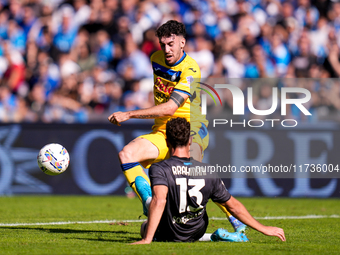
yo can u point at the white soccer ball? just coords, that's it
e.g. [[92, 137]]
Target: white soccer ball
[[53, 159]]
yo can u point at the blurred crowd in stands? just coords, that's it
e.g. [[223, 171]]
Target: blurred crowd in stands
[[78, 61]]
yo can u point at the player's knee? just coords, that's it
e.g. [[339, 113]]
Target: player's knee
[[196, 151], [125, 156]]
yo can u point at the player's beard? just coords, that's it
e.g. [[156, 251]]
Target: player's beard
[[172, 58]]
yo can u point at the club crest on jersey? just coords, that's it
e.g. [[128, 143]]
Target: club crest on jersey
[[173, 77], [164, 88]]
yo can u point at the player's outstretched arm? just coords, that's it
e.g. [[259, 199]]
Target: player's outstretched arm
[[156, 209], [238, 210], [157, 111]]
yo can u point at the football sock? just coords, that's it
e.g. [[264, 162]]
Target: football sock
[[131, 171], [223, 209], [233, 221], [205, 238]]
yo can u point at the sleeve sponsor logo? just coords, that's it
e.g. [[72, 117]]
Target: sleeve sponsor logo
[[190, 79]]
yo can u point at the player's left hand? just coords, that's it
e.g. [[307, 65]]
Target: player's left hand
[[118, 117], [274, 231], [143, 241]]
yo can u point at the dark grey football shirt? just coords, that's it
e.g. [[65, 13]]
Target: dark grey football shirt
[[185, 218]]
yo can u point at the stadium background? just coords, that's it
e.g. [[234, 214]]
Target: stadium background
[[66, 65]]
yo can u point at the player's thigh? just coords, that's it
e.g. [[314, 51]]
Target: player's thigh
[[158, 139], [138, 150]]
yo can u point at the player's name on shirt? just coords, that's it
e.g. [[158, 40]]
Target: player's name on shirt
[[189, 170]]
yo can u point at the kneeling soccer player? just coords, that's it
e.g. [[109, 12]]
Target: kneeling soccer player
[[177, 210]]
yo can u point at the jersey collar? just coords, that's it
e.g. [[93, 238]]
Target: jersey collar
[[184, 158]]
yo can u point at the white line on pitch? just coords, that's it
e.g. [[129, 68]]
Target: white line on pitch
[[132, 221], [65, 223], [289, 217]]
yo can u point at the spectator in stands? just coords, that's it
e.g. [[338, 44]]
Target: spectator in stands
[[115, 92], [304, 59], [48, 73], [16, 10], [134, 59], [234, 64], [202, 53], [23, 112], [82, 12], [16, 36], [150, 43], [306, 14], [66, 32], [106, 49], [14, 76], [260, 65], [29, 18], [86, 60], [3, 24], [37, 100], [7, 104], [280, 54]]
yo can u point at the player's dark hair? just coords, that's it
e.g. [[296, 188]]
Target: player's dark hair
[[171, 27], [178, 132]]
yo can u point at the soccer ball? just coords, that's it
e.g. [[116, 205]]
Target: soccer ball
[[53, 159]]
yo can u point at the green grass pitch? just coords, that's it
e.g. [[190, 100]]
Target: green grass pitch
[[304, 236]]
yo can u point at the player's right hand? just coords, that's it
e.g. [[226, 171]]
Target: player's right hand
[[119, 117], [113, 120]]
